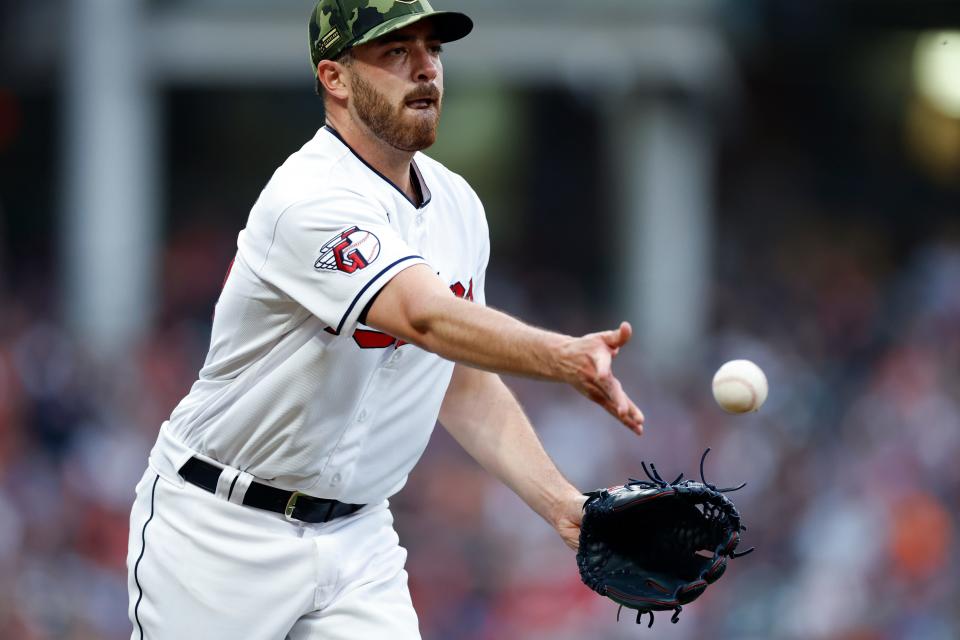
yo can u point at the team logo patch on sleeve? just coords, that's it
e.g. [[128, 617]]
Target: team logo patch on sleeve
[[349, 251]]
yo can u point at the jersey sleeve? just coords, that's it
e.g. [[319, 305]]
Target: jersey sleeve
[[483, 257], [333, 254]]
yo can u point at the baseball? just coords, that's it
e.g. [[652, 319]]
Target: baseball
[[740, 386]]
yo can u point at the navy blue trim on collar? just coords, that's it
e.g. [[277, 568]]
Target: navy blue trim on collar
[[419, 184], [359, 295]]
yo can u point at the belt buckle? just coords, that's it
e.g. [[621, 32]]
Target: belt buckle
[[291, 505]]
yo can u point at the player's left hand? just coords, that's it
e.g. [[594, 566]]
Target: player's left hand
[[567, 522]]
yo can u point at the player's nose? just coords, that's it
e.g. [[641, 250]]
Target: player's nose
[[426, 65]]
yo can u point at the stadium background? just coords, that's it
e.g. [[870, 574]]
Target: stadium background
[[770, 179]]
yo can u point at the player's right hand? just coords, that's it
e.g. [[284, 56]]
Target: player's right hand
[[588, 361]]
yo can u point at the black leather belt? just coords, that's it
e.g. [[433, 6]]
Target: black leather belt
[[292, 504]]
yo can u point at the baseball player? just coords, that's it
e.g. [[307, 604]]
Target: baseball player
[[352, 319]]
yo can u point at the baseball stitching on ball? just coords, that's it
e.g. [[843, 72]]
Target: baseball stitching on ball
[[747, 384]]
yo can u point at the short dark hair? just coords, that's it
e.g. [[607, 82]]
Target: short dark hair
[[345, 58]]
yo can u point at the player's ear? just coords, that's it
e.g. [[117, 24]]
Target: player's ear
[[331, 76]]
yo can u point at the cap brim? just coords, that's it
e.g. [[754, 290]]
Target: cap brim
[[450, 26]]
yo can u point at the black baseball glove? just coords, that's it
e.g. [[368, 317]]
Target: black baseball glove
[[653, 545]]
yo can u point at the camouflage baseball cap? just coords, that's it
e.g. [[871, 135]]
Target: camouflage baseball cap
[[337, 25]]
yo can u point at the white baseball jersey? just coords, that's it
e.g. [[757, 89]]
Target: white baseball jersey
[[294, 390]]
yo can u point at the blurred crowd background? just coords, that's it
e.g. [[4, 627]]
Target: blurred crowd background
[[804, 163]]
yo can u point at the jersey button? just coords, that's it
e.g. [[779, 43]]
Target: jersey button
[[335, 480], [362, 415]]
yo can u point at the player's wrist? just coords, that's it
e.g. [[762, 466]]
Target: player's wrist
[[565, 508], [561, 359]]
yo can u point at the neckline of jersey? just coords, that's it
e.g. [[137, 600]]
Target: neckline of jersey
[[419, 183]]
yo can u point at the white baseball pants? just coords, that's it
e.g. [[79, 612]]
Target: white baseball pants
[[202, 567]]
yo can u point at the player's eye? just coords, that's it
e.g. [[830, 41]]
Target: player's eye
[[436, 49], [397, 51]]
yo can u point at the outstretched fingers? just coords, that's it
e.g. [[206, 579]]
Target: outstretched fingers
[[620, 404], [594, 374], [626, 411], [608, 393], [618, 337]]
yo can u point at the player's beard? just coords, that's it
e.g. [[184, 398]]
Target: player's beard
[[394, 125]]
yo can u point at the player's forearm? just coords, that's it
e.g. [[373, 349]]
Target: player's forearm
[[418, 308], [491, 340], [488, 422]]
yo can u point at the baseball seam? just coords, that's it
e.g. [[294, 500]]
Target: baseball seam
[[746, 383]]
